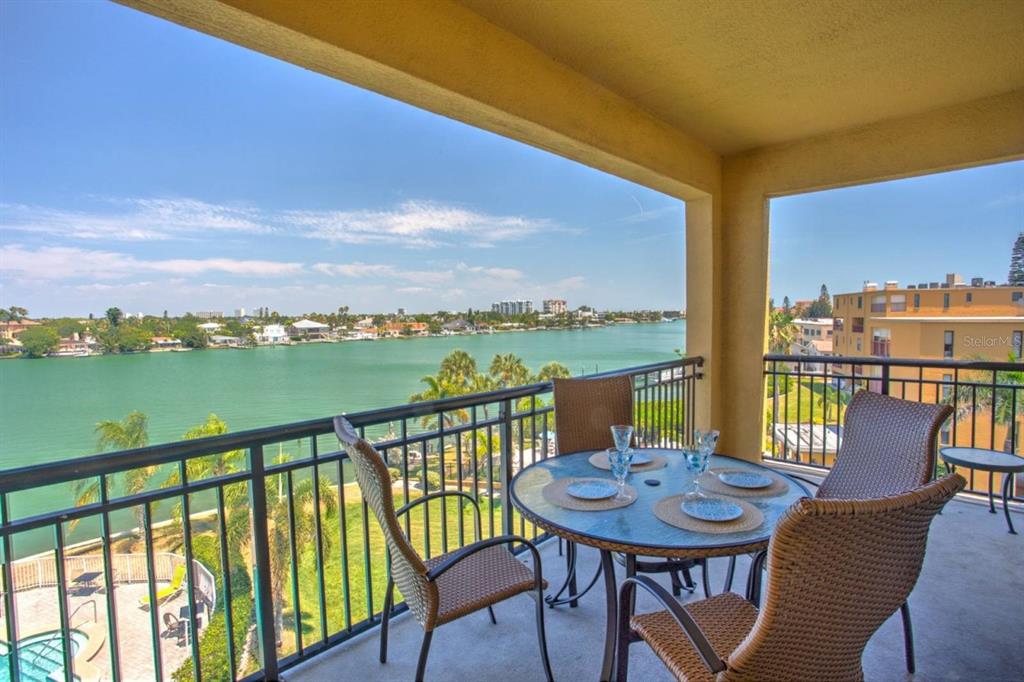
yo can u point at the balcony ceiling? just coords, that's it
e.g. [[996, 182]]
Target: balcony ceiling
[[741, 75]]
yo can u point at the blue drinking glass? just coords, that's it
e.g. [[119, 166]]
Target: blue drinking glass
[[618, 462]]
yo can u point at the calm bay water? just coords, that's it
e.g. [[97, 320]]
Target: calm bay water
[[50, 406]]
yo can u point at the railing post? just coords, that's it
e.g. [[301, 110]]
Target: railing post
[[885, 379], [261, 559], [505, 415]]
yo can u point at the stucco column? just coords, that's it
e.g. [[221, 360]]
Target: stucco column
[[702, 286], [742, 309]]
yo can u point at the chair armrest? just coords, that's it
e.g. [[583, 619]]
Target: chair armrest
[[689, 626], [404, 509], [469, 550]]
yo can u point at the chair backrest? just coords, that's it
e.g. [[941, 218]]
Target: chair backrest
[[837, 569], [888, 447], [586, 409], [407, 568]]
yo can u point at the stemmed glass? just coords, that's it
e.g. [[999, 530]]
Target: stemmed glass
[[620, 457], [698, 457]]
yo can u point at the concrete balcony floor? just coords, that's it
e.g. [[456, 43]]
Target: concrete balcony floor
[[967, 611]]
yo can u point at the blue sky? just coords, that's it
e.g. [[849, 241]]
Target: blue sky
[[150, 167]]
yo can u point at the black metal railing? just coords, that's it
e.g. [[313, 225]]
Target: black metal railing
[[806, 399], [274, 516]]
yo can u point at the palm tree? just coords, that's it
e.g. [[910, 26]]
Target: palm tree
[[459, 368], [553, 370], [999, 401], [437, 388], [211, 466], [129, 433], [834, 398], [302, 534], [781, 332], [509, 370]]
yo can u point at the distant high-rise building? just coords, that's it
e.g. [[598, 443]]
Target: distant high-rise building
[[555, 306], [239, 312], [209, 314], [518, 307]]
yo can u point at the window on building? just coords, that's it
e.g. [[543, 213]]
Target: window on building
[[1017, 296], [945, 435], [945, 300], [917, 300], [1018, 344], [860, 302], [947, 386], [947, 343], [878, 303], [970, 296], [858, 325], [880, 342], [898, 303], [837, 324], [858, 344]]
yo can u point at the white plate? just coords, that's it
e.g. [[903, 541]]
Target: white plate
[[712, 509], [591, 490], [744, 479]]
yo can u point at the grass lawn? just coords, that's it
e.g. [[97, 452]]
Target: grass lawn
[[349, 605]]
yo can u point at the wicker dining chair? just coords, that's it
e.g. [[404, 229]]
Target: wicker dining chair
[[837, 570], [888, 447], [585, 411], [449, 586]]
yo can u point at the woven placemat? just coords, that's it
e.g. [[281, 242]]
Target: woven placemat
[[600, 460], [709, 482], [556, 494], [667, 509]]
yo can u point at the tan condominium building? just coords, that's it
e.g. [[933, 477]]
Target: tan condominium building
[[935, 321]]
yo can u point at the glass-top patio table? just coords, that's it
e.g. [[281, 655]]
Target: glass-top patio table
[[635, 530]]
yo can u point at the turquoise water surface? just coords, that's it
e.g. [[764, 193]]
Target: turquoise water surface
[[40, 657], [50, 406]]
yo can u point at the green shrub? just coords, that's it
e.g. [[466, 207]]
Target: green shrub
[[213, 657]]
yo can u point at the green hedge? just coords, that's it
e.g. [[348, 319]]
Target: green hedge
[[213, 657]]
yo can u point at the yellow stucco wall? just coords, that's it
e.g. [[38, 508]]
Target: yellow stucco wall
[[976, 133]]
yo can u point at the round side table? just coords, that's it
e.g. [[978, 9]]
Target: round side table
[[992, 461]]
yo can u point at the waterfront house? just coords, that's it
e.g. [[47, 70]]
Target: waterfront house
[[721, 105], [9, 330], [165, 343], [222, 341], [271, 334], [309, 330], [209, 327]]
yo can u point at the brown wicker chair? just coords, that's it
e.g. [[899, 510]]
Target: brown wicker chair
[[449, 586], [585, 411], [837, 570], [888, 448]]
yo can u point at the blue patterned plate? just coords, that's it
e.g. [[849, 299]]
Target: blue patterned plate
[[744, 479], [712, 509], [591, 490]]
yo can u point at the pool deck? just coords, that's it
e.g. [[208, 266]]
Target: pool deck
[[38, 613]]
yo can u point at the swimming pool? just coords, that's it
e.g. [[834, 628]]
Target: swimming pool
[[40, 657]]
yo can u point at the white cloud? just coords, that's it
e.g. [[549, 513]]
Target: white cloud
[[374, 270], [67, 263], [135, 220], [415, 224]]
